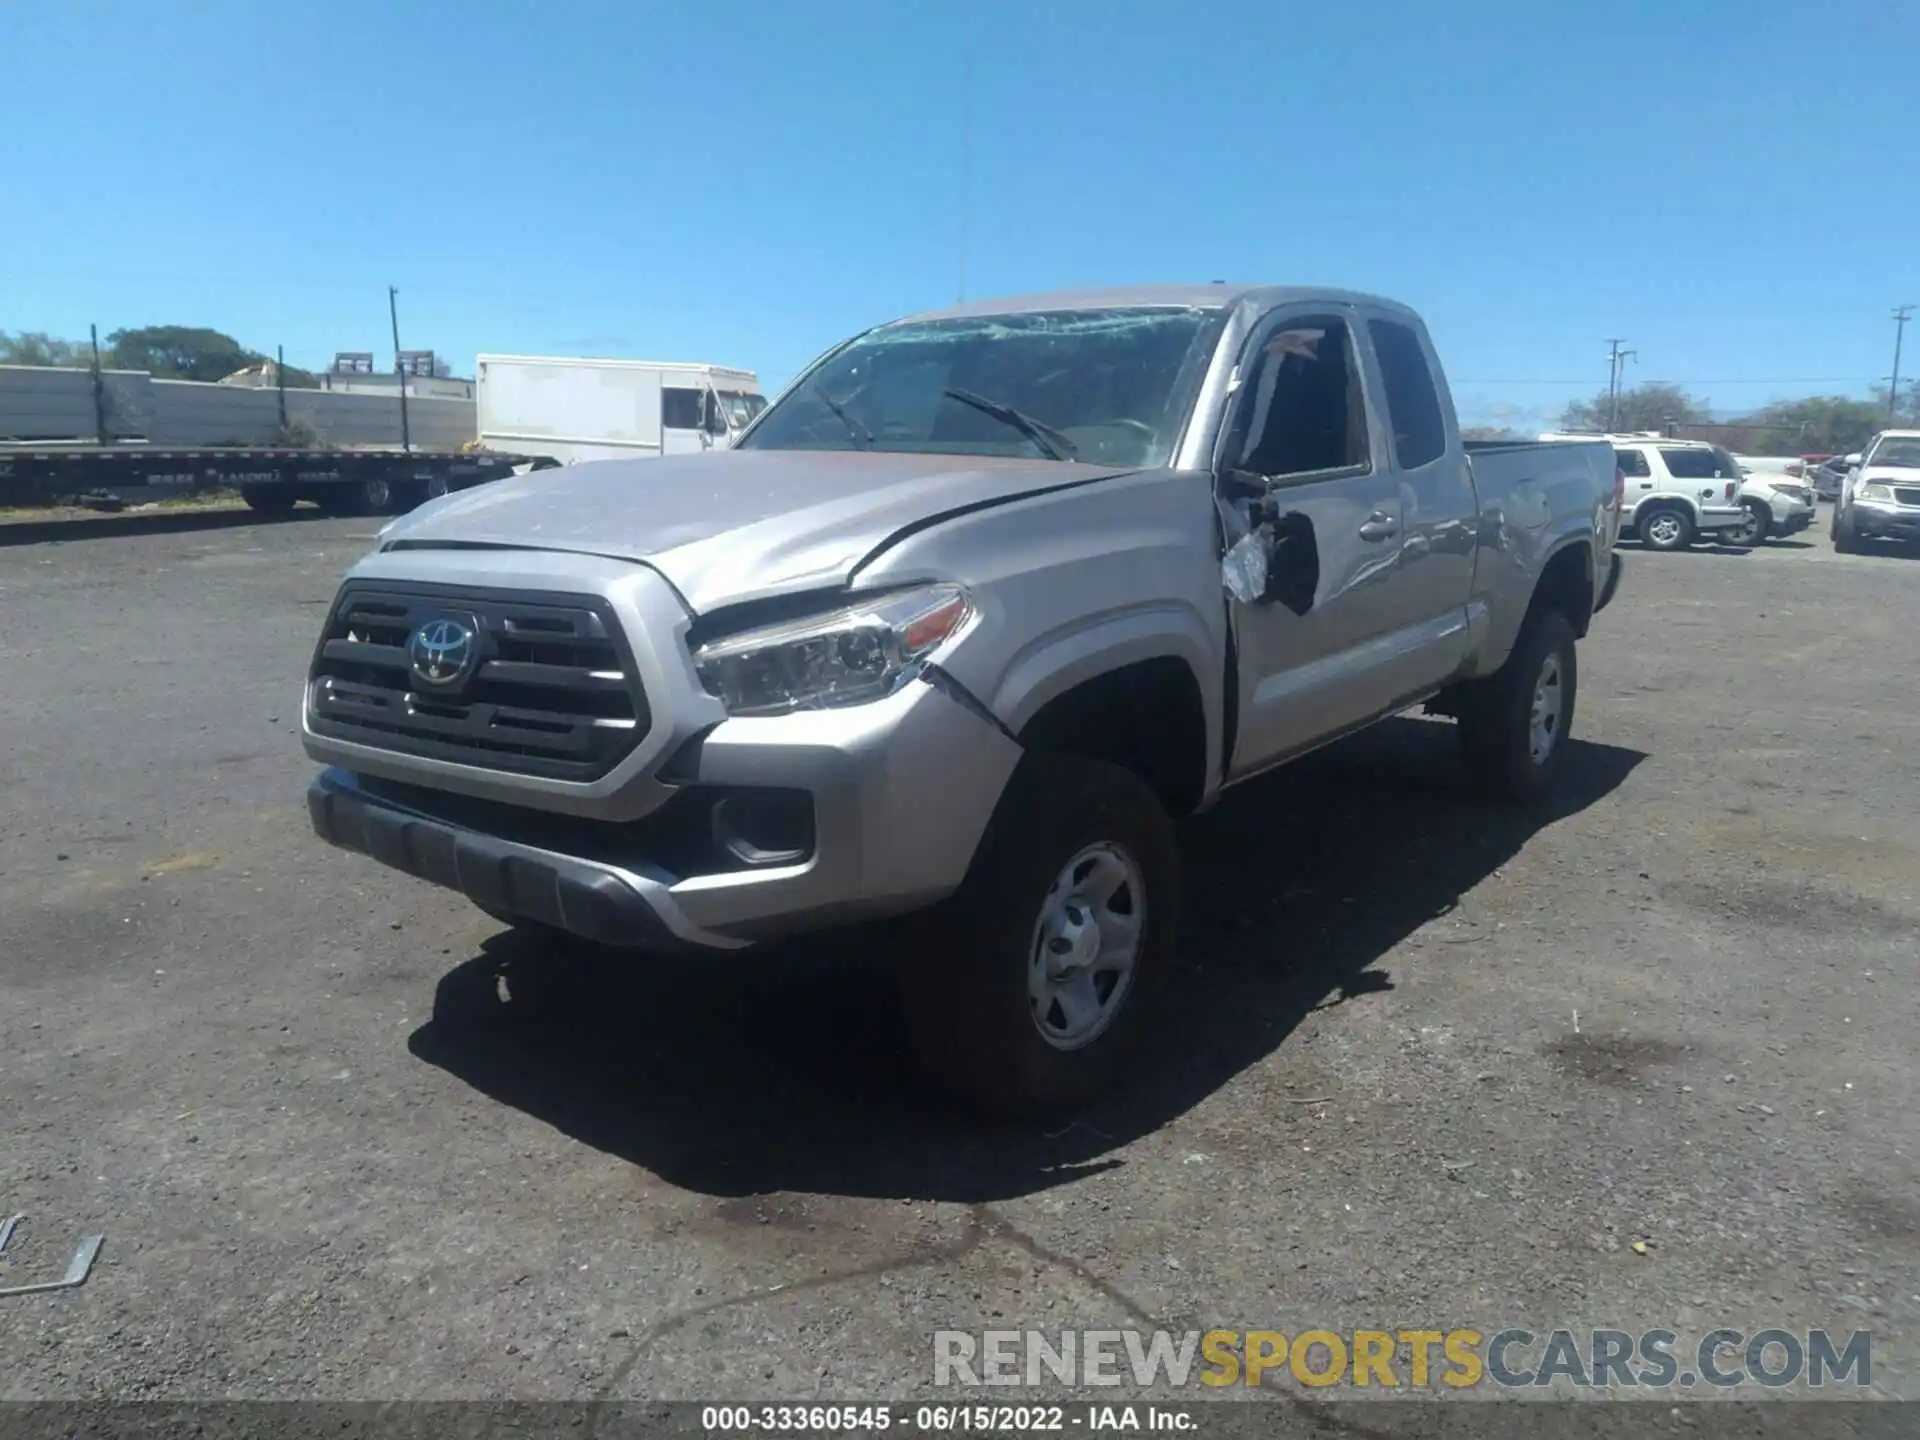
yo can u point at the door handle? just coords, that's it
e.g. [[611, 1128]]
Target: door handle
[[1379, 526]]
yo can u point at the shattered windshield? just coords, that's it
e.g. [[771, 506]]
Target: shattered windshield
[[1110, 387]]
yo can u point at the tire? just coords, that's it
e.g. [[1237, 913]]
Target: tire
[[1497, 715], [361, 497], [1665, 527], [269, 500], [414, 494], [977, 997], [1846, 541], [1759, 525]]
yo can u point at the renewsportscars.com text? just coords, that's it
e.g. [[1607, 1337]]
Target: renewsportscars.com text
[[1771, 1357]]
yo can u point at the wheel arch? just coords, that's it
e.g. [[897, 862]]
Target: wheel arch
[[1147, 715], [1652, 504]]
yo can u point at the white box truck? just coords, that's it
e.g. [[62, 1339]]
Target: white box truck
[[576, 409]]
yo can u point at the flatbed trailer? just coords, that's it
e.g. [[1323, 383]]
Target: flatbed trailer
[[272, 481]]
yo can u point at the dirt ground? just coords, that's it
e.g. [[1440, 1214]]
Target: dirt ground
[[1645, 1061]]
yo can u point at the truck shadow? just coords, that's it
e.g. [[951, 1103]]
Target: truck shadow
[[789, 1071]]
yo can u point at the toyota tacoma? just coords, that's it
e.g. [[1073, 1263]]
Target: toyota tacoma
[[958, 627]]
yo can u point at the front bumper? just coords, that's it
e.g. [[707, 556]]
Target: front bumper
[[1876, 519], [605, 903], [1790, 516], [899, 793]]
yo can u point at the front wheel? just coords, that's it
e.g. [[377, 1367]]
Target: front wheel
[[1514, 724], [1039, 976], [1753, 530], [1846, 540]]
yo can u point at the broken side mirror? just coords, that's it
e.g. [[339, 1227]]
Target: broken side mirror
[[1271, 556]]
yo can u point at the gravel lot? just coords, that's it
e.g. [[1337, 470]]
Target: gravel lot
[[1431, 1065]]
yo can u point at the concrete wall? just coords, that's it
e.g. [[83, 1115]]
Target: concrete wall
[[47, 404]]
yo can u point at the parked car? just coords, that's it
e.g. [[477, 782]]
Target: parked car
[[1677, 491], [959, 625], [1881, 497], [1777, 500]]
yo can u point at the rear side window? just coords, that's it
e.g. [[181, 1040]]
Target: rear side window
[[1633, 464], [1413, 405], [1699, 465], [680, 409]]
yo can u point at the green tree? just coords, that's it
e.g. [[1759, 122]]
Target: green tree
[[1821, 424], [180, 352], [1643, 407], [36, 347]]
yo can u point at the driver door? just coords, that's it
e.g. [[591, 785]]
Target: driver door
[[1302, 434]]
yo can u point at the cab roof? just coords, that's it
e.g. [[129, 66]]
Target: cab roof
[[1217, 296]]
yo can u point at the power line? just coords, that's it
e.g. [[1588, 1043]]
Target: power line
[[1737, 380]]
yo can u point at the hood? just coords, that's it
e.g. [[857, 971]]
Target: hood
[[1890, 475], [731, 525]]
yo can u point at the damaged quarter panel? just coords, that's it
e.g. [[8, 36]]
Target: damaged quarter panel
[[1073, 584]]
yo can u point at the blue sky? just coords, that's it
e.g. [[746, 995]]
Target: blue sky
[[1728, 185]]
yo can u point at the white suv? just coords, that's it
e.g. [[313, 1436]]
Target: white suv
[[1676, 490]]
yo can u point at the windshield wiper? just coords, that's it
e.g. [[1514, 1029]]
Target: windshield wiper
[[854, 427], [1050, 441]]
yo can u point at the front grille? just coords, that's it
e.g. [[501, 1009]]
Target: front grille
[[552, 690], [1907, 494]]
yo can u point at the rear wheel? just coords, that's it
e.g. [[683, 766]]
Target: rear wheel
[[361, 497], [1665, 528], [416, 494], [1040, 975], [1514, 724]]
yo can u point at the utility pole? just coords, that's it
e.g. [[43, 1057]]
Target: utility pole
[[393, 313], [966, 148], [1616, 371], [280, 383], [1900, 317]]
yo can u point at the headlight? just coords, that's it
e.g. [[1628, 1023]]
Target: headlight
[[1874, 492], [845, 657]]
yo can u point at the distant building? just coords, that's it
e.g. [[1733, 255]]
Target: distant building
[[426, 374]]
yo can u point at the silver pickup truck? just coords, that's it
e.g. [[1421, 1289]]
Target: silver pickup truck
[[956, 629]]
